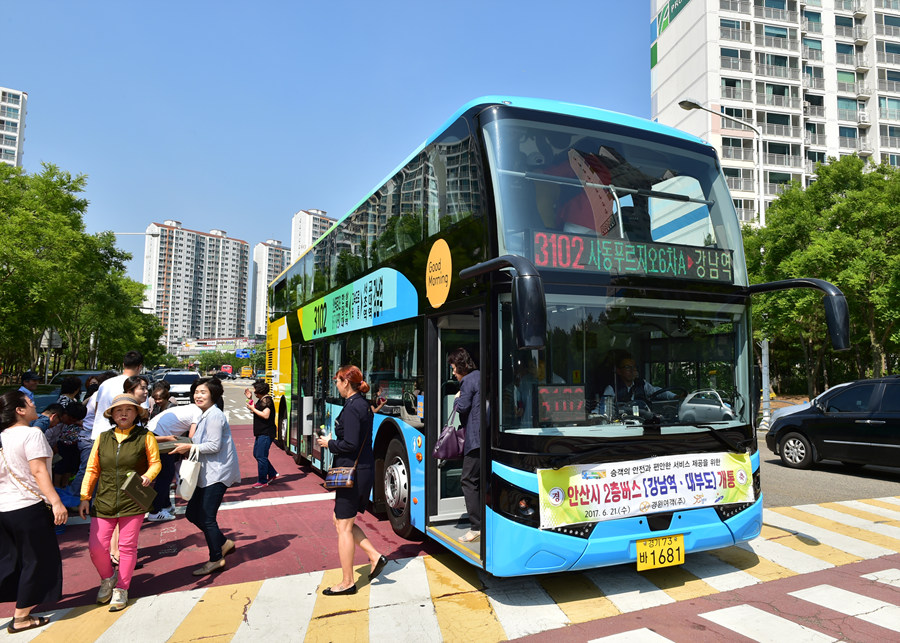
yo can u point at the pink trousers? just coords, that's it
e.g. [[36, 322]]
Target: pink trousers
[[98, 544]]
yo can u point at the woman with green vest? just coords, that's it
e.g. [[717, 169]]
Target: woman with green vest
[[126, 446]]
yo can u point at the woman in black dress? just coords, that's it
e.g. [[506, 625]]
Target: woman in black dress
[[353, 432]]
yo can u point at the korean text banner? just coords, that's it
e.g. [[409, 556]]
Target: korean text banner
[[591, 493]]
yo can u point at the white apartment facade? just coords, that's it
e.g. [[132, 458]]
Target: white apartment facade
[[269, 260], [12, 125], [196, 282], [306, 228], [816, 78]]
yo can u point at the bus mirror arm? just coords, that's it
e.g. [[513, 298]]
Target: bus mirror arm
[[528, 300], [837, 315]]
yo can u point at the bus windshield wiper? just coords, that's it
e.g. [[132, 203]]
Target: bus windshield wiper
[[735, 448]]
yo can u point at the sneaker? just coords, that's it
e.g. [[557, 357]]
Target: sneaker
[[260, 485], [119, 600], [106, 588], [274, 478], [160, 516]]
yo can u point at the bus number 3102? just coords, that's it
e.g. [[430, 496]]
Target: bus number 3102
[[321, 313]]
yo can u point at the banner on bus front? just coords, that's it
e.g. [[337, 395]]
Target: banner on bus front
[[585, 493]]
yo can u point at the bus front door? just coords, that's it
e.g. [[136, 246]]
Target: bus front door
[[447, 508]]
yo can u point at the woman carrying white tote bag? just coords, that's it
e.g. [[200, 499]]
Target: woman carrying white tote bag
[[189, 473]]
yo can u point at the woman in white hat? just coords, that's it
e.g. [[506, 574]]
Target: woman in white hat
[[126, 446]]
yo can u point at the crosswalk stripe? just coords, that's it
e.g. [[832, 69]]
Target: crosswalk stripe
[[218, 614], [578, 598], [867, 609], [808, 546], [643, 635], [30, 635], [806, 524], [882, 512], [862, 516], [84, 623], [718, 573], [887, 576], [759, 625], [752, 564], [889, 500], [522, 606], [788, 558], [628, 591], [679, 583], [152, 619], [400, 607], [464, 613], [339, 618], [268, 620], [887, 536]]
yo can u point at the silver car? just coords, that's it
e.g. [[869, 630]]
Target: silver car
[[705, 406]]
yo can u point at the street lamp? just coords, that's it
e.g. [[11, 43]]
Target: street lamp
[[689, 104]]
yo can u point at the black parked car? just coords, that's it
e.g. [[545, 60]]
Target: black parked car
[[857, 423]]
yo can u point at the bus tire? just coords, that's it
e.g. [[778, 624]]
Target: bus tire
[[396, 488], [281, 428]]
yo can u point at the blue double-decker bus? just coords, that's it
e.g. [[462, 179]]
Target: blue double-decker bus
[[592, 265]]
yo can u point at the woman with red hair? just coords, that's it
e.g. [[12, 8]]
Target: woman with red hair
[[352, 444]]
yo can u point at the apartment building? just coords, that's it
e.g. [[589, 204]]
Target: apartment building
[[12, 125], [196, 282], [795, 82], [269, 260], [306, 228]]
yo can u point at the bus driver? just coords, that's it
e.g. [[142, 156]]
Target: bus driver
[[628, 387]]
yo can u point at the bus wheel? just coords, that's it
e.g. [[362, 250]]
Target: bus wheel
[[282, 428], [396, 488]]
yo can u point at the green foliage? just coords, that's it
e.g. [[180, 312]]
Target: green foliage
[[844, 228], [55, 275]]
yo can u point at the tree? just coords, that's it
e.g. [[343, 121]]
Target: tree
[[844, 228]]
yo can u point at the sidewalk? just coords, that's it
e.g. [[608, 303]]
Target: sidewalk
[[284, 529]]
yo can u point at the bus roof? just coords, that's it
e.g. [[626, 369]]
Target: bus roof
[[537, 104]]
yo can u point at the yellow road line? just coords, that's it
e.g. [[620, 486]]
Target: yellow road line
[[859, 513], [217, 615], [807, 545], [84, 623], [340, 618], [748, 561], [679, 583], [579, 598], [881, 503], [463, 610], [838, 528]]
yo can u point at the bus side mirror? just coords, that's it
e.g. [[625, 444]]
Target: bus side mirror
[[529, 312], [837, 316]]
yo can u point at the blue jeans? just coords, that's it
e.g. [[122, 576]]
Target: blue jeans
[[264, 468], [84, 448], [201, 511]]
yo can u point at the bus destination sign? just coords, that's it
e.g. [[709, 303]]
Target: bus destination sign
[[618, 257]]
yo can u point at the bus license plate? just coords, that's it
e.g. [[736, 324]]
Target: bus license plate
[[665, 551]]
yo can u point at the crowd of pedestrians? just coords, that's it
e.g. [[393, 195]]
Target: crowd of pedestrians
[[82, 448]]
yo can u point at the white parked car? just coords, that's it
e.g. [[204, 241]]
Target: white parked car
[[705, 406]]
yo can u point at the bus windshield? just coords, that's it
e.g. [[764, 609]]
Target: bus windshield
[[615, 366], [644, 196]]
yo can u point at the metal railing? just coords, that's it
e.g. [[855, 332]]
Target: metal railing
[[847, 114], [888, 85], [776, 129], [775, 42], [737, 93], [811, 27], [889, 58], [746, 215], [740, 6], [776, 14], [887, 30], [9, 127], [777, 100], [888, 4], [776, 188], [812, 54], [860, 33], [736, 183], [741, 35], [731, 122], [813, 82], [737, 153], [843, 31], [889, 114], [784, 160], [853, 143], [778, 71], [737, 64], [846, 59], [890, 141], [814, 138]]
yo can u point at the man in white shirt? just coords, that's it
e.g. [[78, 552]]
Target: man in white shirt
[[94, 423], [175, 421]]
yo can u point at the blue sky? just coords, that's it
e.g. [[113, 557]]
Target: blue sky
[[235, 115]]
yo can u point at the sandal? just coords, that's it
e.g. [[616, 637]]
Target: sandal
[[470, 537], [36, 621]]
